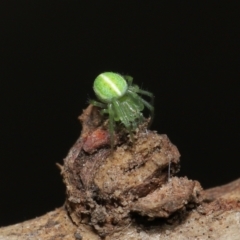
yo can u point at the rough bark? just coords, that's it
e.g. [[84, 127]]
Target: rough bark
[[217, 218], [130, 192]]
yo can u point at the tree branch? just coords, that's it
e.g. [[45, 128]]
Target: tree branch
[[127, 193]]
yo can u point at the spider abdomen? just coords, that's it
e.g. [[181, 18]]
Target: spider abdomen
[[109, 85]]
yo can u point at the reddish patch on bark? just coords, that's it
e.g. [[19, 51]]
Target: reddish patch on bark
[[95, 140]]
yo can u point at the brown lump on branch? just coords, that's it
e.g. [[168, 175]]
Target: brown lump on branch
[[105, 186]]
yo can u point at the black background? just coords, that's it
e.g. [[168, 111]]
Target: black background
[[187, 54]]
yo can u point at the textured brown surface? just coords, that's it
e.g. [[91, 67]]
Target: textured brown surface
[[218, 220], [127, 193], [171, 197], [105, 186]]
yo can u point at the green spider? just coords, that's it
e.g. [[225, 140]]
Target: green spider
[[120, 99]]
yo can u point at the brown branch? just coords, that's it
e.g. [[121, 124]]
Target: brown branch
[[127, 193]]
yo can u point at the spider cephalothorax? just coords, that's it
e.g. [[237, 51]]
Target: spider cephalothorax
[[120, 99]]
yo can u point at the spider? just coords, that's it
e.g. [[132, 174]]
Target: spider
[[120, 99]]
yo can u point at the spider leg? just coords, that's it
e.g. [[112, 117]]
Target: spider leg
[[111, 123], [98, 104], [146, 104], [150, 107], [129, 79], [122, 115], [146, 93], [134, 90]]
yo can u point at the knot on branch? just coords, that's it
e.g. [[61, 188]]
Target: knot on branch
[[109, 188]]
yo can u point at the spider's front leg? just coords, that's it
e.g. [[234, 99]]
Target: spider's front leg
[[123, 115], [149, 94], [135, 89], [100, 105], [149, 106], [97, 104], [111, 122], [106, 109], [129, 79]]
